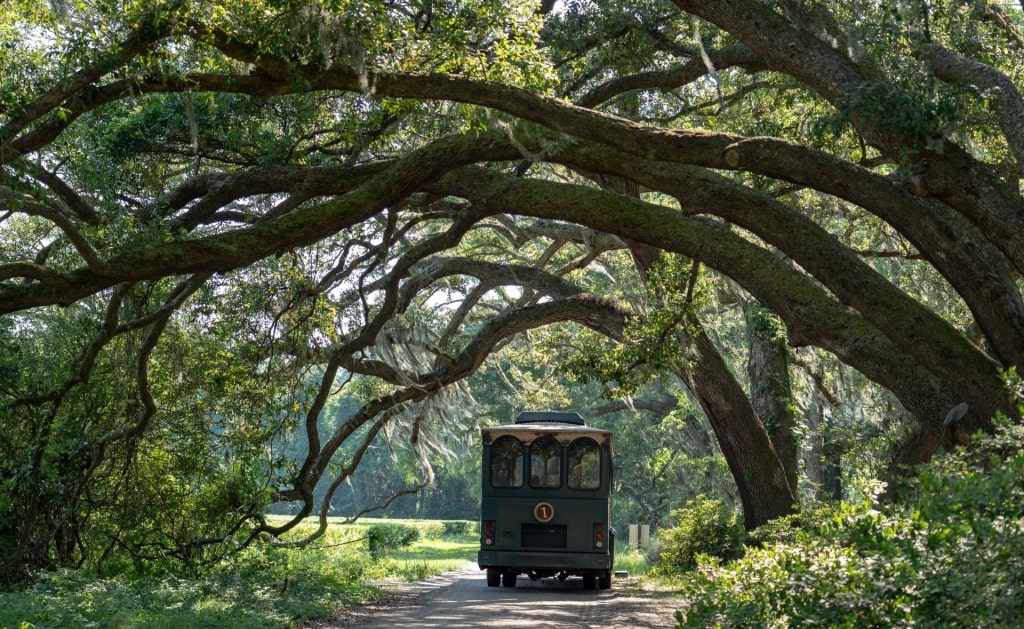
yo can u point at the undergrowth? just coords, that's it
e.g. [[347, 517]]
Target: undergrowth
[[263, 587], [946, 556]]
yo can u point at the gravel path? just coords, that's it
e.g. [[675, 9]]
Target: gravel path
[[462, 599]]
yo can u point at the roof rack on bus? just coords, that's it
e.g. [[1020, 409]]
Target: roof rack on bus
[[550, 417]]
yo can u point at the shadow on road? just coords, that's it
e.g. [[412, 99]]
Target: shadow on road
[[462, 599]]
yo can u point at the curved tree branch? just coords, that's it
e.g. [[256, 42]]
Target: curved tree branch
[[736, 55], [783, 289], [1003, 96]]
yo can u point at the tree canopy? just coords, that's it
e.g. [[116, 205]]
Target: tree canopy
[[217, 216]]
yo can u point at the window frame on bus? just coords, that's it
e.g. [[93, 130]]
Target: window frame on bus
[[515, 473], [547, 473], [597, 477]]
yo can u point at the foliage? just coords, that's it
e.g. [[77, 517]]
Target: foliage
[[254, 254], [706, 527], [779, 530], [662, 467], [383, 538], [874, 565], [654, 340], [262, 587], [455, 528], [633, 561]]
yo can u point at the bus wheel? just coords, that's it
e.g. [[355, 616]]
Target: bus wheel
[[589, 582], [509, 579], [604, 582], [493, 578]]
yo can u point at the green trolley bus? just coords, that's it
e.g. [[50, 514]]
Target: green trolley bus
[[545, 503]]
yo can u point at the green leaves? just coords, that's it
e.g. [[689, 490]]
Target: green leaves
[[384, 538], [655, 341], [705, 527], [872, 565]]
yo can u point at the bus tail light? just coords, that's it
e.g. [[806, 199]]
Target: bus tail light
[[599, 535], [488, 532]]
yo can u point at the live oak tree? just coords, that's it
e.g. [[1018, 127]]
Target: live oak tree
[[217, 215]]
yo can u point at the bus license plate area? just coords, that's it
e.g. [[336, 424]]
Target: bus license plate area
[[544, 535]]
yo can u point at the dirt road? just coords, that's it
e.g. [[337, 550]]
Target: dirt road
[[462, 599]]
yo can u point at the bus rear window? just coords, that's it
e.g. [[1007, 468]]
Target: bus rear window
[[584, 464], [546, 463], [507, 462]]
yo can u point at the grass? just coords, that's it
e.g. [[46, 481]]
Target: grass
[[632, 561], [430, 557], [261, 588]]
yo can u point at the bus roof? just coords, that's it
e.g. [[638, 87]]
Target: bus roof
[[555, 417], [564, 433]]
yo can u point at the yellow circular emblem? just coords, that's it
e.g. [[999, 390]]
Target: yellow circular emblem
[[544, 512]]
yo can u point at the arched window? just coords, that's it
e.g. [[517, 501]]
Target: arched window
[[507, 462], [545, 463], [584, 464]]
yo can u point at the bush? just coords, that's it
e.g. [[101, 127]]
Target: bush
[[948, 557], [429, 529], [382, 538], [455, 528], [789, 529], [706, 527], [782, 529]]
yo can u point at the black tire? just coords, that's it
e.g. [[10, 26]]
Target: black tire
[[509, 579], [589, 582], [493, 578], [604, 582]]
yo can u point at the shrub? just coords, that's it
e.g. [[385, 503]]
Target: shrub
[[947, 557], [382, 538], [706, 526], [454, 528], [430, 529], [789, 528], [782, 529]]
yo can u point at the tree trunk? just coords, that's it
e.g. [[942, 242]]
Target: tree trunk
[[752, 459], [831, 467], [770, 394], [755, 466]]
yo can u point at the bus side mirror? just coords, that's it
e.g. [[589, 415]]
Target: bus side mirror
[[617, 478]]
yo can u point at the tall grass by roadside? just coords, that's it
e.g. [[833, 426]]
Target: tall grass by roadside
[[263, 587], [634, 562]]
